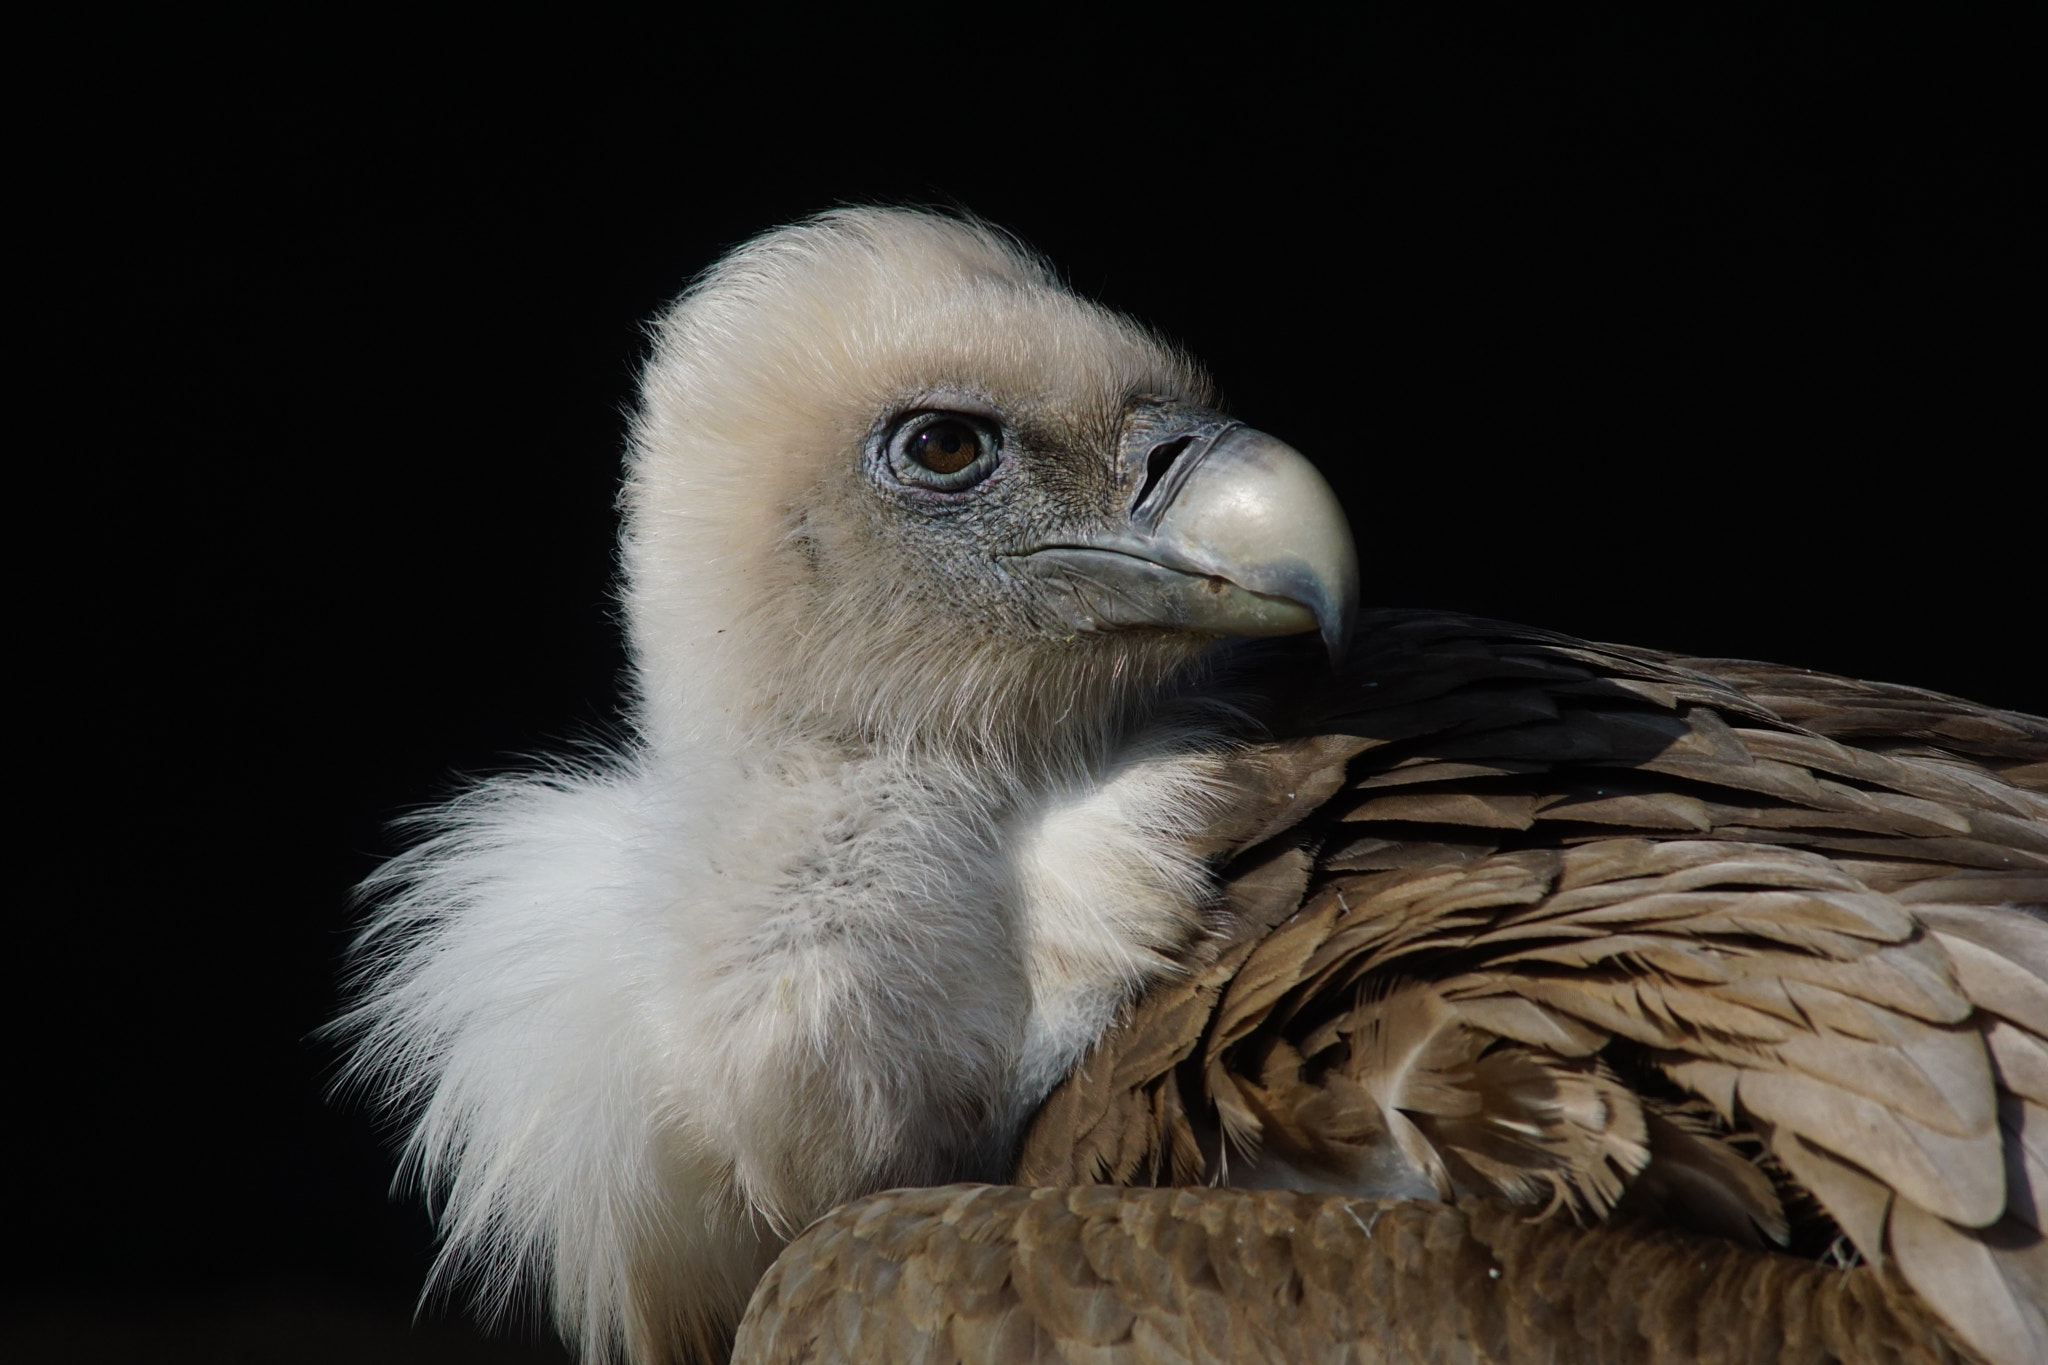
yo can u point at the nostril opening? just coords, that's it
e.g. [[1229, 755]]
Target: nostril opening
[[1159, 462]]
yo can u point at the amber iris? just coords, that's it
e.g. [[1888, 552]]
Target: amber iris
[[946, 447]]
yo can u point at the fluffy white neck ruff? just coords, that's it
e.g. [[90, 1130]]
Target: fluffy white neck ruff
[[656, 1018]]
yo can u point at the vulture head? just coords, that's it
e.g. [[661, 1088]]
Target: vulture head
[[892, 483]]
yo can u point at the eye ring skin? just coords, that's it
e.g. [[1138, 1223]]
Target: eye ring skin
[[899, 447]]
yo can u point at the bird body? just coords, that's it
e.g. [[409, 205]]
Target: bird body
[[974, 763]]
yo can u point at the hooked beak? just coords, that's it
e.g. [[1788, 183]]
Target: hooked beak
[[1231, 532]]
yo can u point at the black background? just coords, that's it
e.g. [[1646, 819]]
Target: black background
[[1704, 333]]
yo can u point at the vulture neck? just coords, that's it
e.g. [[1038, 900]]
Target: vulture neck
[[1024, 853], [1013, 719]]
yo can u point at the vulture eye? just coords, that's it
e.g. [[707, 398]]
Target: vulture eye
[[946, 451]]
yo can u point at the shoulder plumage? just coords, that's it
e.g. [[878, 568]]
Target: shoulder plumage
[[1605, 931]]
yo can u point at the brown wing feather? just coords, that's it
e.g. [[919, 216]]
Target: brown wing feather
[[1002, 1274], [1559, 888]]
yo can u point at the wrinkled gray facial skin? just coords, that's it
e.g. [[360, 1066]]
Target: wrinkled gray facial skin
[[1161, 515]]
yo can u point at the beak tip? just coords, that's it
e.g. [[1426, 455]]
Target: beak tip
[[1337, 640]]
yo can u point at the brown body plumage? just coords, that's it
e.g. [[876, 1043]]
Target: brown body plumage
[[1709, 998]]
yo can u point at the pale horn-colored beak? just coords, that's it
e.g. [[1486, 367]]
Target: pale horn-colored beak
[[1239, 535]]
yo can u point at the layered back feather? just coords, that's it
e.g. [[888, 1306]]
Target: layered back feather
[[1605, 933]]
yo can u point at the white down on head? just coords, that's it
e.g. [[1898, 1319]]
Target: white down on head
[[904, 821]]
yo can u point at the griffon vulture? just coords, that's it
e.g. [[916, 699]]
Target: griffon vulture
[[1019, 796]]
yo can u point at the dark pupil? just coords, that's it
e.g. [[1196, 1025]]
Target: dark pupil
[[946, 447]]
